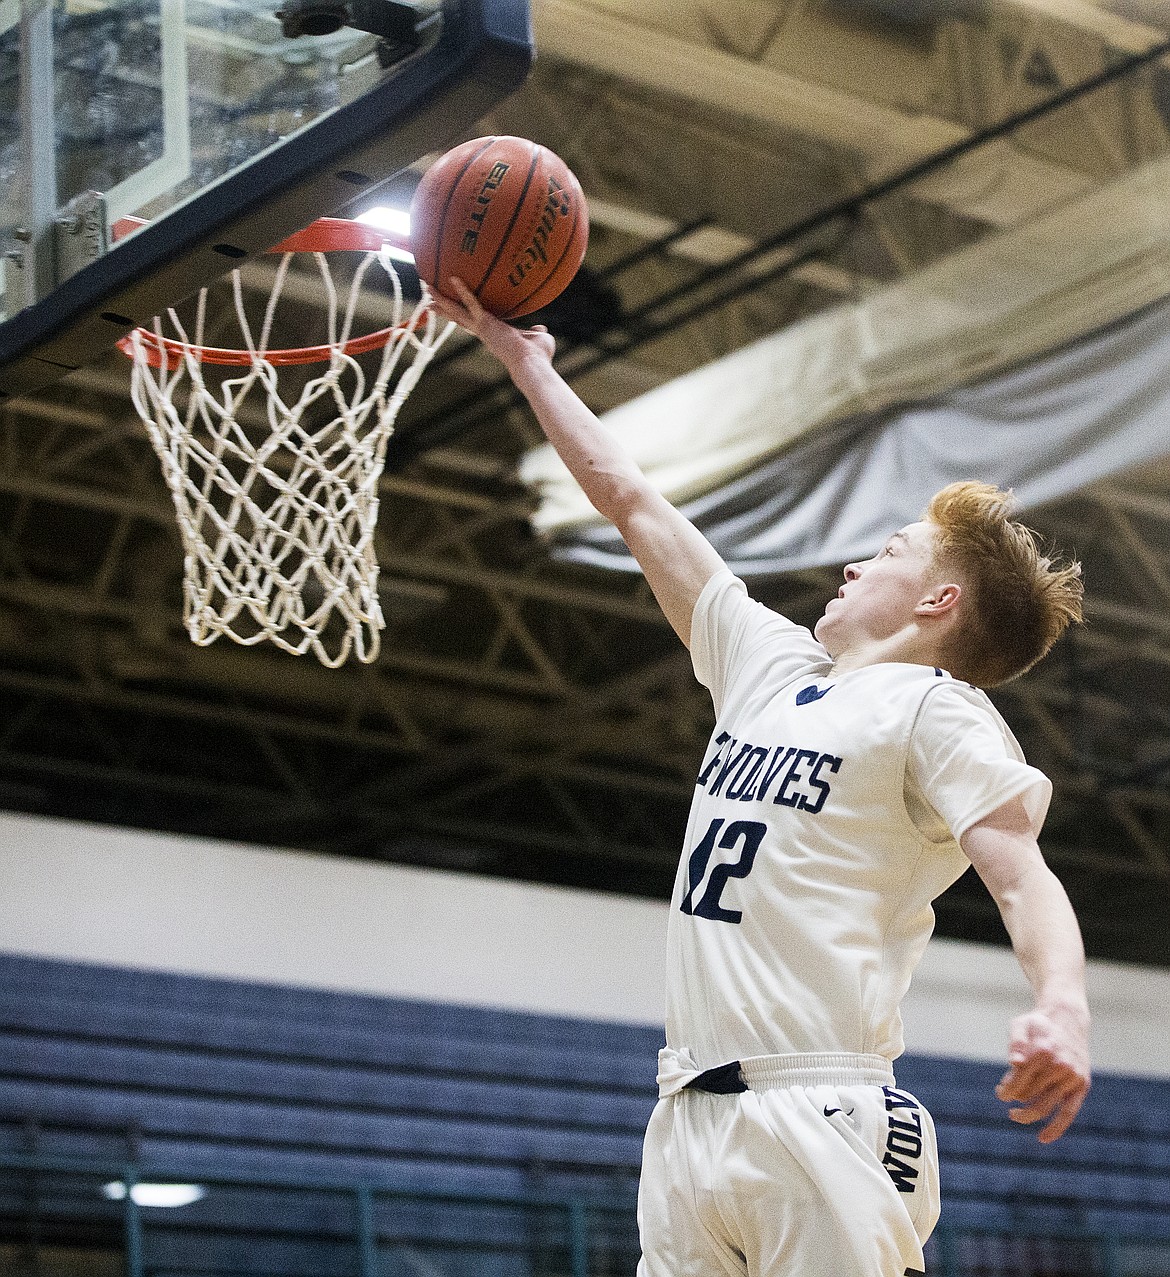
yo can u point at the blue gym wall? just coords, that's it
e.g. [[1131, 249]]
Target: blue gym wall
[[193, 1076]]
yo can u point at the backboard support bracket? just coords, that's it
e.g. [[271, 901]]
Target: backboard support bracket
[[81, 234]]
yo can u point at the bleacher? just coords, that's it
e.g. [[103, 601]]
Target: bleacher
[[345, 1134], [1095, 1202]]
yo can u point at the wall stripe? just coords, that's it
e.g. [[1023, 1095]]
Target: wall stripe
[[159, 902]]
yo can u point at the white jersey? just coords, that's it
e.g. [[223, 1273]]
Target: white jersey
[[826, 819]]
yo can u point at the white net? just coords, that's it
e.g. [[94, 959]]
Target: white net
[[277, 501]]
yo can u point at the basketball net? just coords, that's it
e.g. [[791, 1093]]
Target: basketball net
[[277, 500]]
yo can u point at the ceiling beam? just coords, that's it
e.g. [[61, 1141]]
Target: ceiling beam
[[713, 245], [1011, 185], [1096, 19]]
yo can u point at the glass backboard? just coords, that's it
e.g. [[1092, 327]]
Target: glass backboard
[[228, 124]]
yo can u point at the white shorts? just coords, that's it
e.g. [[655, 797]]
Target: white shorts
[[834, 1179]]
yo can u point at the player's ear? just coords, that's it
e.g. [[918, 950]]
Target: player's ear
[[939, 600]]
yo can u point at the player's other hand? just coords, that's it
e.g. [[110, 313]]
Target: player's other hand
[[508, 344], [1048, 1077]]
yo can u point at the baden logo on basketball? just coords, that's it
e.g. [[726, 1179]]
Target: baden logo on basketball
[[558, 203]]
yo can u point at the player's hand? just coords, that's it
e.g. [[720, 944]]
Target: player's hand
[[1048, 1077], [508, 344]]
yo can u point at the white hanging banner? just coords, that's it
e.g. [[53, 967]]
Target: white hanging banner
[[1002, 302]]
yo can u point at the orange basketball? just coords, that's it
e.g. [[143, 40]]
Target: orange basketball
[[507, 217]]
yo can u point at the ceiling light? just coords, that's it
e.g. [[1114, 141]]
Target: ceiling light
[[389, 219], [163, 1195]]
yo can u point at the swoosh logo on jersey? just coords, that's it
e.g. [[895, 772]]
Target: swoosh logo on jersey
[[811, 693], [829, 1112]]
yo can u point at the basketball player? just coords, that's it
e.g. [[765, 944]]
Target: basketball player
[[854, 773]]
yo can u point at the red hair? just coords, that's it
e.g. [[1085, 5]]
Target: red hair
[[1019, 600]]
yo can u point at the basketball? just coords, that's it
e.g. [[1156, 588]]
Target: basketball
[[507, 217]]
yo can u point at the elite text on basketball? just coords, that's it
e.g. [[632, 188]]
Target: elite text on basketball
[[482, 200]]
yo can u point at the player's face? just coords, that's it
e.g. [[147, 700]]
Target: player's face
[[879, 597]]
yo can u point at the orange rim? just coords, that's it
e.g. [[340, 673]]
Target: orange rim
[[325, 235]]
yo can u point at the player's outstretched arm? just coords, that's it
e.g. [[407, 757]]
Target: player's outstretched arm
[[1048, 1058], [674, 555]]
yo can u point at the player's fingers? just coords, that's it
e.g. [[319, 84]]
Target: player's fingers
[[1037, 1109], [1030, 1071], [451, 306], [1065, 1115], [470, 302], [1032, 1088], [1063, 1098], [1022, 1080], [1021, 1059], [1006, 1085], [541, 337]]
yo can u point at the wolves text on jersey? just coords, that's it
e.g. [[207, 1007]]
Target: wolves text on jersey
[[903, 1139], [787, 774]]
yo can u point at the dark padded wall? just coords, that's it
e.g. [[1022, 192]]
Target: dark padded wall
[[199, 1076]]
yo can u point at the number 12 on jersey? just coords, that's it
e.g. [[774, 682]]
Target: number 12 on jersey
[[748, 834]]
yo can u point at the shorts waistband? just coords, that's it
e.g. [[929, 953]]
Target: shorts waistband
[[821, 1068]]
